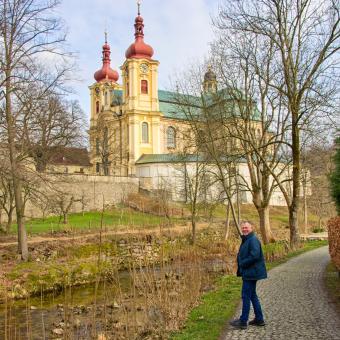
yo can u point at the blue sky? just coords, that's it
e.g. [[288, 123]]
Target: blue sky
[[178, 30]]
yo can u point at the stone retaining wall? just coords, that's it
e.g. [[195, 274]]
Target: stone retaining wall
[[92, 191]]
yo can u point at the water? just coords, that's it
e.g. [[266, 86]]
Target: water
[[132, 303]]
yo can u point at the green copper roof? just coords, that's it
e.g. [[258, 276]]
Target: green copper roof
[[180, 158], [168, 103], [168, 158]]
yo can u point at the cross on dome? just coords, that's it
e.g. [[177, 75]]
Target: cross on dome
[[139, 49], [106, 72], [138, 4]]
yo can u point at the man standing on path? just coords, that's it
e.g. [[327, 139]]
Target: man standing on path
[[251, 267]]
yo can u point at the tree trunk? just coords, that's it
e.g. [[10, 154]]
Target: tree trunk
[[294, 206], [305, 212], [2, 228], [293, 226], [9, 221], [16, 178], [266, 233], [238, 205], [193, 229], [227, 223], [64, 218], [41, 164]]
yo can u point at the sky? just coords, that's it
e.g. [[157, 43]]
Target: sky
[[178, 30]]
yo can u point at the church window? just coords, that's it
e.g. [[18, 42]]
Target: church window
[[97, 106], [97, 168], [144, 87], [127, 89], [145, 132], [106, 98], [171, 137]]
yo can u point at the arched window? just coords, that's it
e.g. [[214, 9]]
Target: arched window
[[127, 89], [144, 87], [145, 132], [97, 106], [171, 137], [106, 98]]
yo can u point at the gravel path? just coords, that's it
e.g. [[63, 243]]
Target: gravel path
[[295, 303]]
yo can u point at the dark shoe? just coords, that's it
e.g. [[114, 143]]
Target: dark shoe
[[257, 323], [238, 324]]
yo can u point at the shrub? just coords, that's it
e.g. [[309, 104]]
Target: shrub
[[275, 251], [318, 230], [334, 240], [335, 177]]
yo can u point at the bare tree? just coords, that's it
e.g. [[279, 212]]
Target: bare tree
[[305, 36], [53, 124], [30, 33], [108, 150], [61, 204], [317, 159], [252, 114], [196, 184], [7, 203], [204, 132]]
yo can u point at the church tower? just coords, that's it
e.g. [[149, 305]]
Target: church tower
[[101, 94], [140, 95], [106, 81], [210, 81], [140, 72]]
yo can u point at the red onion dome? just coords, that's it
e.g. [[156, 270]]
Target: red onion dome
[[106, 72], [139, 49]]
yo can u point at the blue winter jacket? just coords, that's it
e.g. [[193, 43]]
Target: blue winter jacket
[[250, 260]]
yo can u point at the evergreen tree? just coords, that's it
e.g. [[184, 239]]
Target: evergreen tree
[[335, 177]]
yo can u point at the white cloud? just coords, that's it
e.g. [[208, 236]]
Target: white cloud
[[178, 30]]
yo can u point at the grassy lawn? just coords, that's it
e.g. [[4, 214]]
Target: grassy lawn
[[206, 322], [91, 220], [278, 216], [332, 281]]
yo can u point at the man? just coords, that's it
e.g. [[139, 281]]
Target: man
[[251, 267]]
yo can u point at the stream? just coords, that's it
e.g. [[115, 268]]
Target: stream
[[132, 305]]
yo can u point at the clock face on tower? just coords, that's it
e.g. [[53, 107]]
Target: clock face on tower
[[144, 68]]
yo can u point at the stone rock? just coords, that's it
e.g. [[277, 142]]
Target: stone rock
[[76, 323], [33, 308], [58, 331]]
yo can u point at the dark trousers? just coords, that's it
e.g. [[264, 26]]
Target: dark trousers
[[249, 295]]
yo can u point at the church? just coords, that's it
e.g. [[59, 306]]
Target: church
[[133, 122], [136, 129]]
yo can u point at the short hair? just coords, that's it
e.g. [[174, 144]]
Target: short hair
[[246, 222]]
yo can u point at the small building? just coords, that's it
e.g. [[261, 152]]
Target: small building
[[70, 160]]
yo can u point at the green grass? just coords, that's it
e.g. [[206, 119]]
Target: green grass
[[332, 281], [206, 321], [91, 220]]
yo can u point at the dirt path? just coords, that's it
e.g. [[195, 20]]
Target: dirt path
[[82, 236]]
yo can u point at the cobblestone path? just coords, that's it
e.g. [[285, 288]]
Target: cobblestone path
[[295, 303]]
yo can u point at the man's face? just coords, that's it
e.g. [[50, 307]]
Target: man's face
[[246, 228]]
